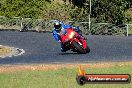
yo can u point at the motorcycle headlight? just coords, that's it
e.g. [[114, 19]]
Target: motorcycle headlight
[[71, 35]]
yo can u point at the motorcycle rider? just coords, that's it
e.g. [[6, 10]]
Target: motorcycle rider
[[60, 29]]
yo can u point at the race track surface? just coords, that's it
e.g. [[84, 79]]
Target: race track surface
[[42, 48]]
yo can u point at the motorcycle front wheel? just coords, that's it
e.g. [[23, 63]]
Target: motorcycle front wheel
[[79, 47]]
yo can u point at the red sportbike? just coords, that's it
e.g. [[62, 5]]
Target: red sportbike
[[74, 41]]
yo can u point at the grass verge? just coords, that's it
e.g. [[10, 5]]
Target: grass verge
[[4, 50], [60, 78], [130, 32]]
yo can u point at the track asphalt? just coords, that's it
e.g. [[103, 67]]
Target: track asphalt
[[42, 48]]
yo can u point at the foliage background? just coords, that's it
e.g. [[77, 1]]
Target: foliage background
[[117, 12], [112, 11]]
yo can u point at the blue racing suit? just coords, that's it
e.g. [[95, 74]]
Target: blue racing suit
[[63, 31]]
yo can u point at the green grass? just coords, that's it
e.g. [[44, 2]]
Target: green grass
[[130, 32], [4, 50], [62, 78]]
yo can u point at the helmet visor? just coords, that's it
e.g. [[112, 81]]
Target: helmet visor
[[57, 26]]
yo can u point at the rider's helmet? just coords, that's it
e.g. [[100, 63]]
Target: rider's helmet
[[57, 25]]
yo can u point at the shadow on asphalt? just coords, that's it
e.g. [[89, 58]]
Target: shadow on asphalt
[[70, 53]]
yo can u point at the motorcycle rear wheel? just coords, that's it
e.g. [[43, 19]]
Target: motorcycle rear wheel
[[87, 49]]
